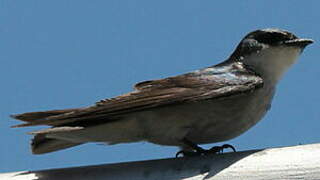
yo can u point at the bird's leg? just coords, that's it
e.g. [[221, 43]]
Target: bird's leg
[[197, 150], [200, 151]]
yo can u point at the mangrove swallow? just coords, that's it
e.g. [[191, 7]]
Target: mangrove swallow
[[209, 105]]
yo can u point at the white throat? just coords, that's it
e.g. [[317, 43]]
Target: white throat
[[272, 62]]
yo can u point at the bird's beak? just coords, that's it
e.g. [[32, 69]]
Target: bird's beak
[[298, 42]]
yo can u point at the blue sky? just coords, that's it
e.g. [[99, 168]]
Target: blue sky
[[62, 54]]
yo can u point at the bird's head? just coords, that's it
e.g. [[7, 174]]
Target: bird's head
[[270, 52]]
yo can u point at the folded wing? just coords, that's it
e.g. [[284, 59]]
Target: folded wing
[[209, 83]]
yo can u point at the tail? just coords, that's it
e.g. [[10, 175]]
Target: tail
[[41, 144]]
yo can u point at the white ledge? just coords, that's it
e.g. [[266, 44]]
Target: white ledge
[[297, 162]]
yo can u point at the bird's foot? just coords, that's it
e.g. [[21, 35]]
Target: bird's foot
[[187, 153], [198, 151], [219, 149], [213, 150]]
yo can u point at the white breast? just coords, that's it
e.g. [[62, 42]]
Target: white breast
[[272, 62]]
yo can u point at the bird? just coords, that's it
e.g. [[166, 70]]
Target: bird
[[209, 105]]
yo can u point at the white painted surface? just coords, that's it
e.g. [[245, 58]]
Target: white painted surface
[[22, 175], [297, 162]]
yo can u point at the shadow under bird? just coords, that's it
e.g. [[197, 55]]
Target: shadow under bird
[[209, 105]]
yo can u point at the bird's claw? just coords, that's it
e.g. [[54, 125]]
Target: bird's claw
[[219, 149], [200, 151], [187, 153]]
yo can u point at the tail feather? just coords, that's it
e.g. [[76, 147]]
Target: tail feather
[[41, 144], [34, 116]]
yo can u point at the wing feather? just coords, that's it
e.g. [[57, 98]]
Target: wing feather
[[209, 83]]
